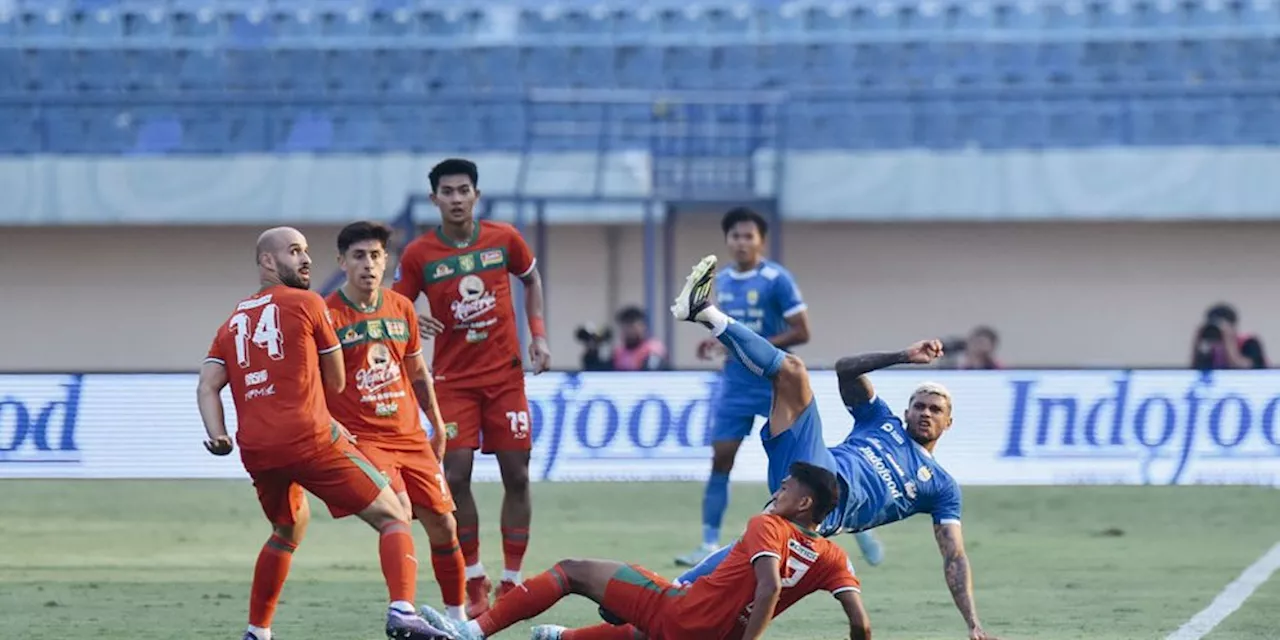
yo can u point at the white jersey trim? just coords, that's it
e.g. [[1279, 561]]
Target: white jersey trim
[[414, 354], [533, 265], [216, 360], [844, 589], [330, 349], [763, 554], [794, 310], [948, 521]]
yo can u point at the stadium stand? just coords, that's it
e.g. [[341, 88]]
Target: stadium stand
[[340, 76]]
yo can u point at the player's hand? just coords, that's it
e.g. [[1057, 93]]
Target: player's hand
[[710, 349], [977, 633], [429, 327], [924, 352], [219, 446], [539, 355]]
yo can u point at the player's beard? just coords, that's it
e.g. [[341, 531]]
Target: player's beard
[[291, 278]]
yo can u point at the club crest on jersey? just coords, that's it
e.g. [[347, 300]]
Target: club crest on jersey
[[475, 300], [451, 430], [490, 257], [923, 474], [375, 330], [753, 297], [379, 371], [467, 262], [443, 270]]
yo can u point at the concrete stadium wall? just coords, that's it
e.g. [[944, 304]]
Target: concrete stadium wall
[[149, 298]]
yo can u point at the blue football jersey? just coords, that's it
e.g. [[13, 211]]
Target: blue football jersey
[[890, 476], [762, 299]]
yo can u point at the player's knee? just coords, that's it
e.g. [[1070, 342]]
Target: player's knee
[[515, 479], [441, 527], [576, 572], [792, 371], [722, 459], [290, 532], [459, 480]]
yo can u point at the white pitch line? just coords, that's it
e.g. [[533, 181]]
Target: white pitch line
[[1231, 597]]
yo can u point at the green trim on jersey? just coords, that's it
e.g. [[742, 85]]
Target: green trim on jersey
[[464, 263]]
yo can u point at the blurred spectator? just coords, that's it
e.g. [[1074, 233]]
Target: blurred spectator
[[1220, 345], [636, 351], [977, 351]]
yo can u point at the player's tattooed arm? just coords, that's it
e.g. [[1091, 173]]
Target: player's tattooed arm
[[955, 568], [851, 371]]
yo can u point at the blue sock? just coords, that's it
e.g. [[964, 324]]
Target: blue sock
[[714, 503], [756, 353], [706, 566]]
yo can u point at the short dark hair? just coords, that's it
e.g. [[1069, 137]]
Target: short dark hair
[[1222, 311], [821, 484], [361, 231], [454, 167], [988, 333], [744, 214], [628, 315]]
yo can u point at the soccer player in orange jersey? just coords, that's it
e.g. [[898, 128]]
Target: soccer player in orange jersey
[[779, 560], [378, 329], [463, 267], [274, 351]]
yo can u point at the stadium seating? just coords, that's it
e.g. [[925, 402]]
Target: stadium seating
[[211, 76]]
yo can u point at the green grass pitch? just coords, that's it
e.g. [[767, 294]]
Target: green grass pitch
[[172, 560]]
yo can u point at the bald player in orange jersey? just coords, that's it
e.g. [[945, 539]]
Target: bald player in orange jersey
[[273, 351], [378, 329], [464, 267], [779, 560]]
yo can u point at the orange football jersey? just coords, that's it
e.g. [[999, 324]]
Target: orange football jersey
[[469, 290], [719, 604], [271, 347], [378, 404]]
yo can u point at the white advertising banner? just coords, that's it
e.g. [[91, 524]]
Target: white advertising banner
[[1011, 427]]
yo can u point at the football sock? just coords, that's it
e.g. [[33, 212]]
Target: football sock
[[399, 566], [268, 581], [260, 633], [603, 632], [450, 571], [514, 543], [714, 503], [706, 566], [469, 539], [755, 353], [536, 595]]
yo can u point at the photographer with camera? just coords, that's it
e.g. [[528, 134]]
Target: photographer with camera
[[638, 351], [978, 351], [1219, 345]]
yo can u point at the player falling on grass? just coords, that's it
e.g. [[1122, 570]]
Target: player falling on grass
[[763, 296], [462, 266], [378, 330], [274, 351], [885, 465], [779, 560]]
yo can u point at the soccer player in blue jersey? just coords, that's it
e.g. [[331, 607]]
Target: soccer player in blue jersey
[[885, 466], [762, 296]]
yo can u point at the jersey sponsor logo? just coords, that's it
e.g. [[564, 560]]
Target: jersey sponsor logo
[[379, 371], [910, 487], [260, 392], [373, 330], [443, 270], [893, 431], [397, 329], [38, 421], [491, 258], [255, 378], [882, 470], [799, 549], [923, 474], [350, 335], [475, 302]]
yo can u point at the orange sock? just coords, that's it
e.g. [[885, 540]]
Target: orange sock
[[604, 632], [514, 544], [450, 570], [469, 540], [268, 580], [399, 566], [526, 601]]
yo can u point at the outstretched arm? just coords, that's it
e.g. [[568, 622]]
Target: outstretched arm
[[859, 623], [851, 371], [955, 567]]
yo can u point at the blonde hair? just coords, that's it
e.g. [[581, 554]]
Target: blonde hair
[[933, 389]]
